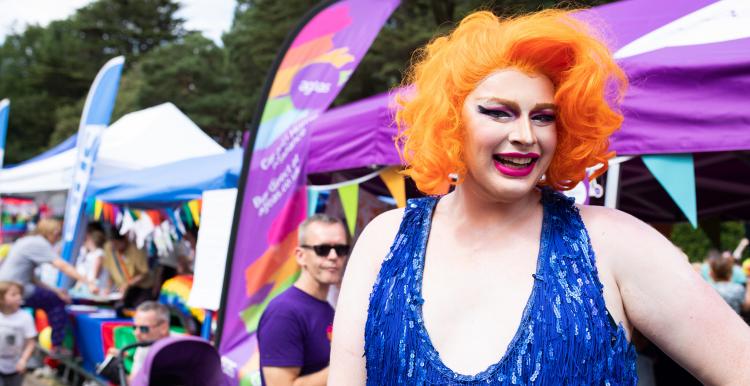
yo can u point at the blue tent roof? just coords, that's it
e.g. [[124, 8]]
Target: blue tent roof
[[171, 183], [59, 148]]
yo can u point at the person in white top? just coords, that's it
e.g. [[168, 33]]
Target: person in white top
[[17, 334], [89, 261]]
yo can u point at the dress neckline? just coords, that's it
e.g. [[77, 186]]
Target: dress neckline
[[433, 355]]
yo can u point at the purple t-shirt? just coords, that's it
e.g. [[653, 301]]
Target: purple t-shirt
[[295, 331]]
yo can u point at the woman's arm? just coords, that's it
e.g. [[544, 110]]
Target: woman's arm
[[667, 301], [69, 270], [347, 366], [740, 248]]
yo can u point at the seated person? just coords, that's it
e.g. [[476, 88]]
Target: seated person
[[151, 323], [128, 270]]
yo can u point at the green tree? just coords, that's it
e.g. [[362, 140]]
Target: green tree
[[47, 71], [695, 243], [32, 108], [192, 74], [258, 30]]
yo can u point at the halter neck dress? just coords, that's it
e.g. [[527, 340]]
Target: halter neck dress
[[566, 335]]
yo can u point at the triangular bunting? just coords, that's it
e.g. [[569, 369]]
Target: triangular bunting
[[188, 216], [118, 215], [195, 211], [676, 173], [97, 209], [127, 223], [90, 207], [396, 185], [154, 215], [312, 201], [349, 196], [179, 226]]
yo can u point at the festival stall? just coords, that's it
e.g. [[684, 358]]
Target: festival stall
[[156, 136]]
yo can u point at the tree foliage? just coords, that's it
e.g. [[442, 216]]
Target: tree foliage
[[46, 71]]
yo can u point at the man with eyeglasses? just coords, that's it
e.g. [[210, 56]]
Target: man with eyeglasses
[[294, 332], [150, 323]]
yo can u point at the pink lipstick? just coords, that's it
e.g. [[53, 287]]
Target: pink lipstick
[[515, 164]]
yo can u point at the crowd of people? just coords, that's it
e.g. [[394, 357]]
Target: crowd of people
[[723, 271], [109, 267]]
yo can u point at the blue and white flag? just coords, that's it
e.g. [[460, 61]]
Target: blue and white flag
[[95, 118], [4, 112]]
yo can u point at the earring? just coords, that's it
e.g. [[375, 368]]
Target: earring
[[453, 177]]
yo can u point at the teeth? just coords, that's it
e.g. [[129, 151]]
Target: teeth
[[517, 160]]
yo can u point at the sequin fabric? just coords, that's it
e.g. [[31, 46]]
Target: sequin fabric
[[566, 336]]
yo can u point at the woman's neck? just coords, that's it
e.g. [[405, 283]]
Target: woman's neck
[[473, 207]]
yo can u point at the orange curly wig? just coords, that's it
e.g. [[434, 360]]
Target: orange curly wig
[[549, 42]]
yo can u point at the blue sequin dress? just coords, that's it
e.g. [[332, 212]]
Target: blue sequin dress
[[566, 335]]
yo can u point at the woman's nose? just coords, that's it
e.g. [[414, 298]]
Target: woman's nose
[[523, 133]]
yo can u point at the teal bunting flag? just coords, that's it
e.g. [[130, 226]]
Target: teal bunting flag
[[676, 173], [312, 201]]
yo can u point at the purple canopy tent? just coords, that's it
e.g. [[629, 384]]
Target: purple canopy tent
[[684, 98], [356, 135], [688, 63]]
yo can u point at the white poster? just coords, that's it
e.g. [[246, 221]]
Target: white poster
[[211, 249]]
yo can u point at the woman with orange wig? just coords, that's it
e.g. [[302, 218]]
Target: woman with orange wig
[[503, 280]]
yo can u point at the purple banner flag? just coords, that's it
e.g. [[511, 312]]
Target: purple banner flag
[[311, 69]]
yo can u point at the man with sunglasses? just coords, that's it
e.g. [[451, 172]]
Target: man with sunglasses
[[150, 323], [294, 332]]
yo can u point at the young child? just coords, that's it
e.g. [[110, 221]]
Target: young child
[[89, 261], [17, 334]]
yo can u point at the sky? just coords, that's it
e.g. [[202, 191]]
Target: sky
[[212, 17]]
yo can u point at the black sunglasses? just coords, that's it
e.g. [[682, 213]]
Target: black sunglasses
[[323, 250], [145, 329]]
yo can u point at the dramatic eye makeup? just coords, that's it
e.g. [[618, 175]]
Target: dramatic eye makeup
[[496, 111], [543, 117], [542, 114]]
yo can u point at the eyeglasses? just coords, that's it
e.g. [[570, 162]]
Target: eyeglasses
[[145, 329], [323, 250]]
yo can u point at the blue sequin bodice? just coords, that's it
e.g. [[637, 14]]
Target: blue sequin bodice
[[566, 335]]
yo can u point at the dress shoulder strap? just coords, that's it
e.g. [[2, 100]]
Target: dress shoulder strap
[[410, 236]]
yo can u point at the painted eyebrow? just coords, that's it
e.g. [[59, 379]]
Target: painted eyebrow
[[516, 108], [508, 103], [544, 106]]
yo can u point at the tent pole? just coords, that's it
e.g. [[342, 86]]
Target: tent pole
[[611, 191]]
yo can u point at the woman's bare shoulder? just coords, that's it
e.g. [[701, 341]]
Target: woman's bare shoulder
[[624, 240], [612, 225], [376, 239]]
